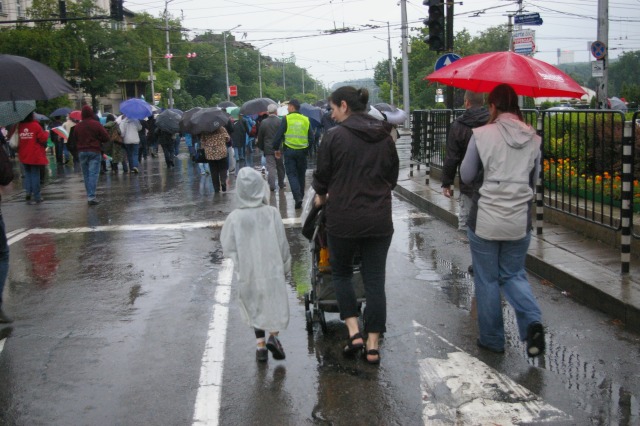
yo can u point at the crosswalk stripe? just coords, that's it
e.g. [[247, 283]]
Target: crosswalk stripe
[[461, 389]]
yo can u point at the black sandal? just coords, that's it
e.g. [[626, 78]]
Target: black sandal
[[372, 352], [352, 348]]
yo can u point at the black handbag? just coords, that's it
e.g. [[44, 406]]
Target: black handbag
[[200, 156]]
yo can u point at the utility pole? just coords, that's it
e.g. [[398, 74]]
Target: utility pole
[[405, 62], [303, 81], [168, 55], [449, 44], [390, 64], [153, 93], [603, 37]]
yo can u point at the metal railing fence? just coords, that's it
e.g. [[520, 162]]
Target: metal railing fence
[[588, 163]]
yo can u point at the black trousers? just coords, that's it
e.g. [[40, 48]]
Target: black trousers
[[218, 169]]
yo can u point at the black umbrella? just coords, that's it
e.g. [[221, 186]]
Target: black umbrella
[[26, 79], [186, 116], [169, 121], [227, 104], [256, 106], [205, 120]]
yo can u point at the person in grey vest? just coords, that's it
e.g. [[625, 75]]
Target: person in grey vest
[[502, 162]]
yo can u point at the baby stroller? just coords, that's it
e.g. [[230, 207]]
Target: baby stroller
[[321, 297]]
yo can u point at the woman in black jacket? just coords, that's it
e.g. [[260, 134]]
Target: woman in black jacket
[[357, 167]]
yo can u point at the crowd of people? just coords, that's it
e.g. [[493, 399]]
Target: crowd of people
[[357, 166]]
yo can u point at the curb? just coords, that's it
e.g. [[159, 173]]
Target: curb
[[601, 295]]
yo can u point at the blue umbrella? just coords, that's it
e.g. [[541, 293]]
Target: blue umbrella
[[60, 112], [136, 109]]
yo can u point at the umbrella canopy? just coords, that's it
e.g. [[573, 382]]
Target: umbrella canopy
[[320, 103], [60, 112], [234, 112], [26, 79], [205, 120], [283, 110], [313, 112], [15, 112], [227, 104], [136, 108], [384, 107], [617, 104], [41, 117], [256, 106], [186, 116], [528, 76], [169, 121]]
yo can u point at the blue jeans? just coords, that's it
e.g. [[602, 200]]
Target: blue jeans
[[4, 257], [90, 164], [32, 180], [373, 252], [132, 154], [498, 267], [295, 164]]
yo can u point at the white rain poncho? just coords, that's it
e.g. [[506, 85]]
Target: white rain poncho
[[253, 237]]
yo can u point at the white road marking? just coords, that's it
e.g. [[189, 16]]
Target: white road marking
[[462, 390], [207, 409], [2, 344]]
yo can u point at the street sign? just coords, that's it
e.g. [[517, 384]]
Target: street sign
[[529, 19], [523, 42], [233, 90], [598, 49], [445, 60], [597, 69]]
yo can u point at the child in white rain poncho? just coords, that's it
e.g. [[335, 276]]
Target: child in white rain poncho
[[253, 237]]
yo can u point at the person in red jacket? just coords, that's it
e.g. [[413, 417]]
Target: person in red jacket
[[32, 155], [89, 135]]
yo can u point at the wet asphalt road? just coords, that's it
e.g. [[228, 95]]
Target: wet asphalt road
[[114, 307]]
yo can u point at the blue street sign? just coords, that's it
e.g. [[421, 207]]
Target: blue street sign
[[530, 19], [598, 49], [445, 60]]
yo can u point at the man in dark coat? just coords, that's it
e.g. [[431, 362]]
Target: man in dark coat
[[459, 134], [266, 136]]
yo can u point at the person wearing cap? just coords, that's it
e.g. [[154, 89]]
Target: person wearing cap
[[295, 136], [90, 135], [268, 129]]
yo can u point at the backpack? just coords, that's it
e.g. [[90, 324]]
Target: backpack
[[254, 130], [6, 167]]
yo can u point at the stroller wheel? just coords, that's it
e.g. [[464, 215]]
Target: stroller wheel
[[323, 321], [307, 302], [309, 317]]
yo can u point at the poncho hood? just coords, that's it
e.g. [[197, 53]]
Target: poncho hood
[[251, 189]]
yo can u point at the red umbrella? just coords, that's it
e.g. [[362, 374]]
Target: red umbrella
[[528, 76], [75, 115]]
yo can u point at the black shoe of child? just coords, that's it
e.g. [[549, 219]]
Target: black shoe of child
[[262, 354], [273, 344]]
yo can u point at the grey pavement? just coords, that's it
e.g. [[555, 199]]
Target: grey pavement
[[584, 268]]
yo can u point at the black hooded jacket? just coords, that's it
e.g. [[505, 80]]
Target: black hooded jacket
[[357, 166], [459, 135]]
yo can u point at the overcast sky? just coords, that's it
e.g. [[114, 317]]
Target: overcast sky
[[301, 28]]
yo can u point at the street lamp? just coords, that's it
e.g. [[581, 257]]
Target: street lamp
[[260, 68], [226, 63], [390, 60]]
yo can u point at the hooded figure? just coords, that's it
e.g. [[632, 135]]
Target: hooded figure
[[253, 237]]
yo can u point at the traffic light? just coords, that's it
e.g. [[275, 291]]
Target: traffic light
[[62, 7], [117, 13], [435, 22]]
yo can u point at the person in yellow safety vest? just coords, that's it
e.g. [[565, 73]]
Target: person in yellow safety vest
[[294, 136]]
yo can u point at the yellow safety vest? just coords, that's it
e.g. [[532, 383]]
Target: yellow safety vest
[[297, 134]]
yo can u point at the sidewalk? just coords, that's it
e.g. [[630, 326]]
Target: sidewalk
[[585, 269]]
